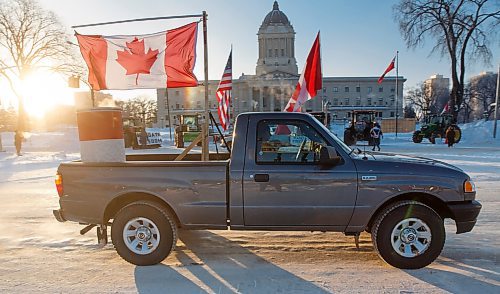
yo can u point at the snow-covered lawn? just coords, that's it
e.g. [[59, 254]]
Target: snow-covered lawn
[[38, 254]]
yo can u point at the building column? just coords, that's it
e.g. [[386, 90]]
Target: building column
[[273, 99], [261, 99], [282, 99]]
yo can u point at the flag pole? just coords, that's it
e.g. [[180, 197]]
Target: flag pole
[[230, 111], [204, 152], [397, 90], [168, 114], [496, 104], [323, 103]]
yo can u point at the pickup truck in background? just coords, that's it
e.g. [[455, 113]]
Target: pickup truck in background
[[286, 172]]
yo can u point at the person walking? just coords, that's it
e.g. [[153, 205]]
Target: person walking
[[376, 134], [18, 141], [450, 136]]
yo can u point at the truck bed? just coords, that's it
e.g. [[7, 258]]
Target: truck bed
[[196, 191]]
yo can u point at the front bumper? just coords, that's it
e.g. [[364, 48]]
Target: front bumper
[[465, 215]]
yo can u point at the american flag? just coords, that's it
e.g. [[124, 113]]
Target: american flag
[[224, 93]]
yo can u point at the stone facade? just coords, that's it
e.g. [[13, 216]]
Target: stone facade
[[275, 79]]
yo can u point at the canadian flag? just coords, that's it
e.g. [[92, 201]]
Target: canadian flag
[[159, 60], [388, 69], [446, 108], [310, 80]]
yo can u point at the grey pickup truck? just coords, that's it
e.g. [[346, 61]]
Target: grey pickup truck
[[286, 172]]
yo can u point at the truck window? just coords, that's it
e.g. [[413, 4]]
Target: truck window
[[287, 142]]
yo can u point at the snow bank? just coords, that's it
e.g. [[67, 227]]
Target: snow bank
[[480, 132]]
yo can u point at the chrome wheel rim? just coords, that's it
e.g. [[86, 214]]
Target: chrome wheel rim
[[411, 237], [141, 235]]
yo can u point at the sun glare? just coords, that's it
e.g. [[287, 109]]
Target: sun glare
[[42, 91]]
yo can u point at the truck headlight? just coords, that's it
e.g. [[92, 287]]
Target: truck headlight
[[469, 186]]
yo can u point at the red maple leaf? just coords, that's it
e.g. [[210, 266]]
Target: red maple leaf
[[136, 61]]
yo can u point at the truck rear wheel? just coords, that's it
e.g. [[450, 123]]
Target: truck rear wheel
[[143, 233], [408, 235]]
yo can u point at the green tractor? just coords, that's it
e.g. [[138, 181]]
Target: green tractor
[[435, 126]]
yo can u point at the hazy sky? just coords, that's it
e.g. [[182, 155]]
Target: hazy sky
[[359, 37]]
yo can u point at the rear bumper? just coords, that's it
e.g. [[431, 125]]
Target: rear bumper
[[58, 214], [465, 215]]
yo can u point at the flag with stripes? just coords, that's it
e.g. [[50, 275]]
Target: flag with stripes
[[224, 93]]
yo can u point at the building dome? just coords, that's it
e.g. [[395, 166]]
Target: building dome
[[276, 16]]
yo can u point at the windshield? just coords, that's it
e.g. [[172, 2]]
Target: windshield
[[341, 143]]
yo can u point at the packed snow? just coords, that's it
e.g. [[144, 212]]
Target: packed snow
[[38, 254]]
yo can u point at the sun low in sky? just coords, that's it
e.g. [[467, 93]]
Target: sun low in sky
[[42, 90]]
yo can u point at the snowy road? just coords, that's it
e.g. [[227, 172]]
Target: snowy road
[[38, 254]]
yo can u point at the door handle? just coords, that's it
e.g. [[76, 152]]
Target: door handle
[[261, 177]]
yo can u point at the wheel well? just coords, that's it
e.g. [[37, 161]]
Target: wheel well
[[121, 201], [432, 201]]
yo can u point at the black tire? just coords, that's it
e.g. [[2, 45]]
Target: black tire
[[388, 220], [458, 134], [417, 138], [162, 219], [349, 138], [432, 138]]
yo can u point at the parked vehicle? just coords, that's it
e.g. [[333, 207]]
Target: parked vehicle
[[362, 122], [435, 126], [286, 172]]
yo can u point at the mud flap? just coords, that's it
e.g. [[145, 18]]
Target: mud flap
[[102, 235]]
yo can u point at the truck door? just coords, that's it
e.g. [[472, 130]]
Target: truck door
[[284, 186]]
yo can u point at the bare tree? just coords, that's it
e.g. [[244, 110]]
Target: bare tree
[[30, 39], [140, 109], [420, 100], [466, 107], [461, 29], [482, 89]]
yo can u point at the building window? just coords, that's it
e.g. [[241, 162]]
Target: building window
[[380, 114], [392, 90], [335, 89], [177, 93], [346, 89], [282, 52], [275, 52], [392, 113], [369, 89], [177, 106], [346, 100], [358, 89], [381, 89], [270, 52], [324, 90], [358, 102], [335, 101], [381, 100], [369, 101]]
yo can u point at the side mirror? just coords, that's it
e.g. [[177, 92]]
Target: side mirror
[[328, 156]]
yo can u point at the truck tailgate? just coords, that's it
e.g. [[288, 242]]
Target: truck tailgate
[[196, 191]]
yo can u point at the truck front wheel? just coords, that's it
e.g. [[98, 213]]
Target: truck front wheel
[[143, 233], [408, 235]]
